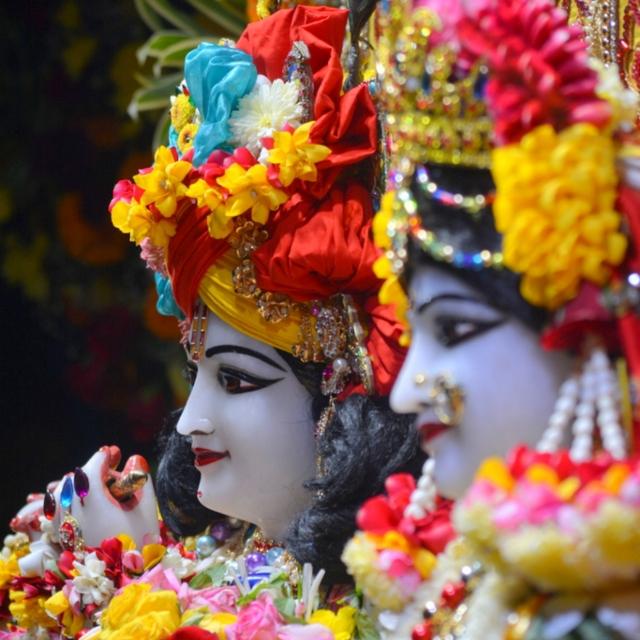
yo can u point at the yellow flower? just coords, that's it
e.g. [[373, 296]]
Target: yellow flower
[[9, 569], [361, 559], [138, 612], [140, 223], [341, 624], [58, 607], [250, 189], [152, 554], [128, 543], [163, 185], [219, 223], [30, 612], [296, 156], [183, 112], [391, 292], [555, 208], [382, 219], [212, 622], [186, 136], [496, 472]]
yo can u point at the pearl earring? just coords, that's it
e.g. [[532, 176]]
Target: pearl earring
[[586, 400]]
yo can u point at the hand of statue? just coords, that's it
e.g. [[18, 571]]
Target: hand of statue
[[103, 503]]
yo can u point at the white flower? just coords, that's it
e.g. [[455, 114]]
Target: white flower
[[181, 567], [91, 584], [267, 108]]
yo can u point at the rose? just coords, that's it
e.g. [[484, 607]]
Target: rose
[[259, 620]]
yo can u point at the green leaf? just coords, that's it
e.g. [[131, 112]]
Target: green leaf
[[287, 609], [154, 97], [213, 576], [174, 56], [148, 15], [177, 18], [366, 627], [221, 15], [275, 581], [161, 133], [156, 45]]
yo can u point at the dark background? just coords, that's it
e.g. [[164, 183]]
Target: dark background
[[85, 359]]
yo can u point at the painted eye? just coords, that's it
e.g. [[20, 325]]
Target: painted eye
[[190, 372], [235, 381], [451, 330]]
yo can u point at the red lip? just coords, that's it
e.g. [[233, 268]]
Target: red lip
[[430, 430], [206, 456]]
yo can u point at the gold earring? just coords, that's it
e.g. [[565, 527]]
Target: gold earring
[[419, 379], [447, 400]]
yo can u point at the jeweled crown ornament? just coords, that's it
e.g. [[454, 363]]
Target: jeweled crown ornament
[[434, 109]]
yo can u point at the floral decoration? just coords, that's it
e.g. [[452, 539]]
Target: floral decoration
[[392, 553], [222, 102], [559, 524], [555, 206], [166, 591]]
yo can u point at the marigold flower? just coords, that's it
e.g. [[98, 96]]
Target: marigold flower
[[555, 208], [138, 612], [251, 190], [296, 156], [30, 612], [163, 185]]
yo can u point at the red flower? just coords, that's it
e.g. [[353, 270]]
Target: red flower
[[539, 68], [110, 552], [385, 513]]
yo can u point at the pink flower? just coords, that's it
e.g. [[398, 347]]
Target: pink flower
[[132, 560], [259, 620], [217, 599], [509, 515], [304, 632]]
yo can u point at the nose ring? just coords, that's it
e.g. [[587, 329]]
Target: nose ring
[[447, 399], [419, 379]]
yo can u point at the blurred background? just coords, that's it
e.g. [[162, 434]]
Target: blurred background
[[86, 359]]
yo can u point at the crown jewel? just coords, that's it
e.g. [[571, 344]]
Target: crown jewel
[[435, 110]]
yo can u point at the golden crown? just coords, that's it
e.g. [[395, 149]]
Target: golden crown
[[431, 114]]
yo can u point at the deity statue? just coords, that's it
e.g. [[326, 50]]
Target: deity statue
[[256, 222], [511, 223]]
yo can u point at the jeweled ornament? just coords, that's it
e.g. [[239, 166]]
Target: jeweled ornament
[[49, 505], [81, 484], [66, 495]]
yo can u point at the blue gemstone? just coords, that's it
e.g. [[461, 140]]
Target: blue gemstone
[[477, 260], [256, 577], [273, 554], [66, 495], [458, 260]]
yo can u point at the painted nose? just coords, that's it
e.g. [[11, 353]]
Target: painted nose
[[189, 426], [410, 393]]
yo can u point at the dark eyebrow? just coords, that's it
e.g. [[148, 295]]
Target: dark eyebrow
[[448, 296], [234, 348]]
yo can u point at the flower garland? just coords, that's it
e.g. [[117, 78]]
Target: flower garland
[[557, 523], [556, 117], [173, 591], [392, 553]]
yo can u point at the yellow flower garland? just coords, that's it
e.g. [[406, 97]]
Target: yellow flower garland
[[555, 206]]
